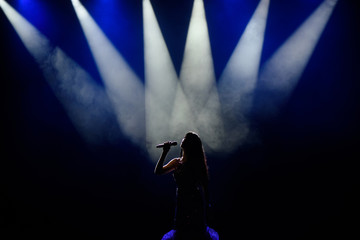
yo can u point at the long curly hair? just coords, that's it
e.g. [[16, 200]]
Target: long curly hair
[[193, 147]]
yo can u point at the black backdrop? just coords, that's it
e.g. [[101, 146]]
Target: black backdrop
[[298, 180]]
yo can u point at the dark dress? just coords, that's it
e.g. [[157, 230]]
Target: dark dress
[[190, 213]]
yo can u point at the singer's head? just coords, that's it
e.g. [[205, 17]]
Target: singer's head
[[191, 142]]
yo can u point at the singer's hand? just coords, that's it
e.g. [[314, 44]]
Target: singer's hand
[[167, 146]]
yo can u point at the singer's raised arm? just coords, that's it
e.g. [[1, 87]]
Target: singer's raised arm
[[170, 166]]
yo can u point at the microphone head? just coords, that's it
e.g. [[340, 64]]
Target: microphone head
[[162, 145]]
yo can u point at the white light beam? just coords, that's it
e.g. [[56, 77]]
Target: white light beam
[[123, 87], [283, 70], [160, 82], [197, 103], [85, 102], [237, 83]]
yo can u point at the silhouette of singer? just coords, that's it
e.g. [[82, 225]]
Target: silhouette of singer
[[190, 172]]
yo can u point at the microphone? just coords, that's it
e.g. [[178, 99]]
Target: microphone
[[162, 145]]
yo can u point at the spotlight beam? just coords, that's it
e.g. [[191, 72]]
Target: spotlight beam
[[197, 73], [282, 71], [123, 87], [237, 83], [86, 103], [160, 82], [197, 102]]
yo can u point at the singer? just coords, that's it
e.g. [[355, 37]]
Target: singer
[[190, 172]]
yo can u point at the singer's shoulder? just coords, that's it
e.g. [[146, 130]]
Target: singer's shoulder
[[177, 161]]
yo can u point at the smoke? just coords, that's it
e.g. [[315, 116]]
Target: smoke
[[86, 103]]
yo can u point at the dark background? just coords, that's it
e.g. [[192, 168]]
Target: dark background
[[299, 180]]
